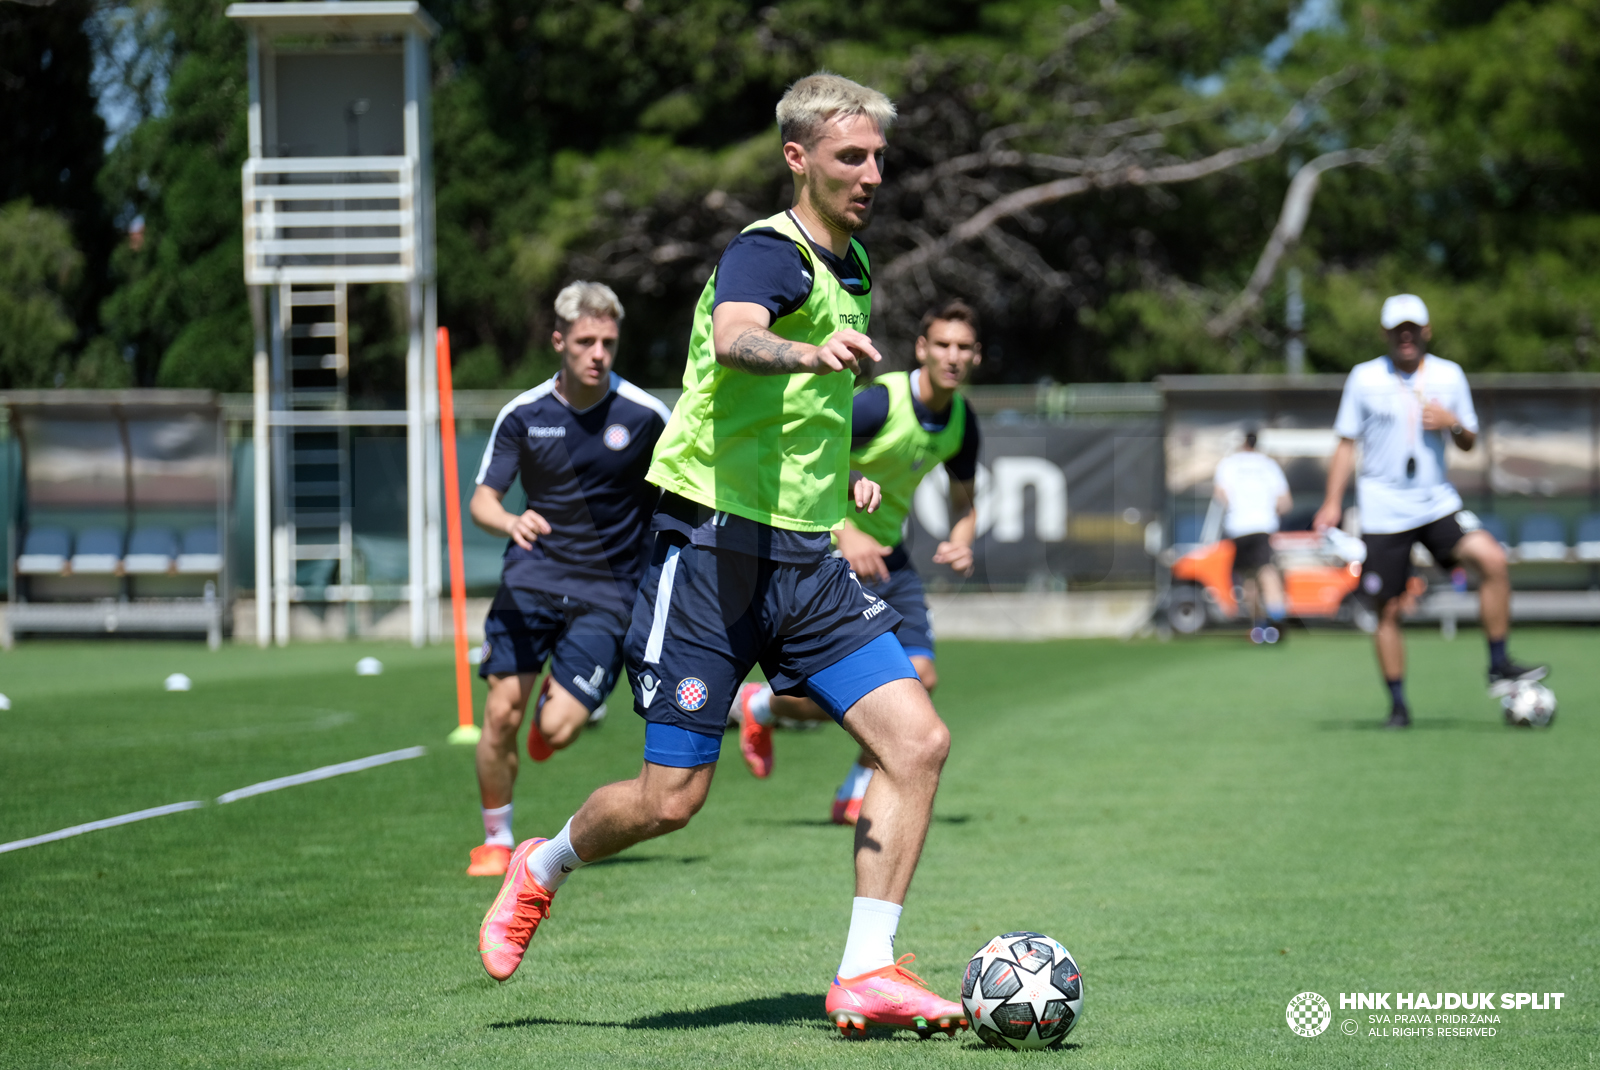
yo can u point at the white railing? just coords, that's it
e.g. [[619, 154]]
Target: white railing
[[331, 219]]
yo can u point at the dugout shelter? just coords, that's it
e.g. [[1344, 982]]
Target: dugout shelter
[[119, 517], [337, 192]]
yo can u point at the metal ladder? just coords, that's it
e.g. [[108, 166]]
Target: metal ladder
[[318, 499]]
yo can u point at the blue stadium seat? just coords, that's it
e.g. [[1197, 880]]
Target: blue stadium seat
[[98, 553], [1186, 529], [150, 551], [1543, 538], [44, 552], [201, 554], [1496, 527], [1589, 538]]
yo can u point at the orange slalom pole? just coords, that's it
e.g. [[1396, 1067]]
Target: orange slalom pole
[[465, 731]]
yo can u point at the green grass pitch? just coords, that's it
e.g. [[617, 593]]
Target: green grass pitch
[[1210, 828]]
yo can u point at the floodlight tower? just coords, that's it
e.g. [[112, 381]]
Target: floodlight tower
[[338, 191]]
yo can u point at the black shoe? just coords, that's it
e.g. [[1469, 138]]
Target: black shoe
[[1501, 678], [1399, 717]]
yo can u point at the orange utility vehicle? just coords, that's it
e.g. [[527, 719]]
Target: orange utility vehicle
[[1319, 582]]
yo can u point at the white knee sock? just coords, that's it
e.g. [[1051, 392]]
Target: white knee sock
[[553, 861], [497, 826], [855, 783], [761, 705], [870, 945]]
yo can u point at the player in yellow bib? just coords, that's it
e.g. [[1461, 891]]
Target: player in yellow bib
[[754, 469], [904, 427]]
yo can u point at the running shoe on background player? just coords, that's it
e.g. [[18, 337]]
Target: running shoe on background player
[[488, 860], [755, 738]]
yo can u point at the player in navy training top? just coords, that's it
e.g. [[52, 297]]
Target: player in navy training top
[[580, 444]]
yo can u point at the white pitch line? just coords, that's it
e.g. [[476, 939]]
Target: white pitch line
[[94, 826], [321, 774], [241, 793]]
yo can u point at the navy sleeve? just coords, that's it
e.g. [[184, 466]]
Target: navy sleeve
[[868, 413], [963, 467], [500, 457], [763, 268]]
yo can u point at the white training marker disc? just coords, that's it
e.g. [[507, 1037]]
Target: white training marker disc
[[369, 667], [5, 703], [178, 682]]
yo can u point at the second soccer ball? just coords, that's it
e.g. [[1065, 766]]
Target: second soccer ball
[[1529, 705]]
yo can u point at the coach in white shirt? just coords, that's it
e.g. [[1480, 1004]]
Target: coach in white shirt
[[1252, 488], [1400, 407]]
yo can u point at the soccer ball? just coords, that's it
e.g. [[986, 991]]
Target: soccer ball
[[1023, 990], [1529, 705]]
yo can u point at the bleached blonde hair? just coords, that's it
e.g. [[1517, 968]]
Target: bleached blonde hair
[[816, 98], [580, 299]]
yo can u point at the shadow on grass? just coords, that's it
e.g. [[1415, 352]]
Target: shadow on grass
[[638, 860], [1418, 724], [790, 1008]]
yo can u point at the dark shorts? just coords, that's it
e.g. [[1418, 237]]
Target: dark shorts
[[903, 591], [1251, 553], [704, 618], [1388, 565], [583, 642]]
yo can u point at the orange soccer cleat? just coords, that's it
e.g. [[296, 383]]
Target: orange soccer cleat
[[488, 860], [539, 748], [514, 916], [755, 740], [846, 811], [892, 996]]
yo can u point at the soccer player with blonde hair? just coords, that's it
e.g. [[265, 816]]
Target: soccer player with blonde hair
[[579, 442], [755, 475]]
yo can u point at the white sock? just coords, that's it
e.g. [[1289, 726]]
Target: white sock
[[761, 705], [855, 783], [870, 945], [553, 861], [497, 826]]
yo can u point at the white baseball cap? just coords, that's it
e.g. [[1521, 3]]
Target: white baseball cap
[[1403, 308]]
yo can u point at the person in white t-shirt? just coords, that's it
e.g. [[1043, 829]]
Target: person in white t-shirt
[[1251, 487], [1399, 408]]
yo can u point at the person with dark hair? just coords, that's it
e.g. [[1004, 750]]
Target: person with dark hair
[[1254, 493], [903, 427]]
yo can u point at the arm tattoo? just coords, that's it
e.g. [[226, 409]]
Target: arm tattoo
[[761, 352]]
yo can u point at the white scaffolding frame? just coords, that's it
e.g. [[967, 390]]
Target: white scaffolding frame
[[336, 221]]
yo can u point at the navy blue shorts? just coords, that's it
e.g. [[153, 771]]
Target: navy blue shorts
[[704, 618], [903, 591], [583, 642]]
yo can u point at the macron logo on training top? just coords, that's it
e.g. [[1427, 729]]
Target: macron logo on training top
[[559, 431]]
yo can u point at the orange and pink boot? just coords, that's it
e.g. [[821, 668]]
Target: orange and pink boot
[[514, 916], [488, 860], [755, 740], [847, 800], [891, 996]]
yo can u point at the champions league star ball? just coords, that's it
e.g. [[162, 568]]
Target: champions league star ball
[[1023, 990], [1529, 705]]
